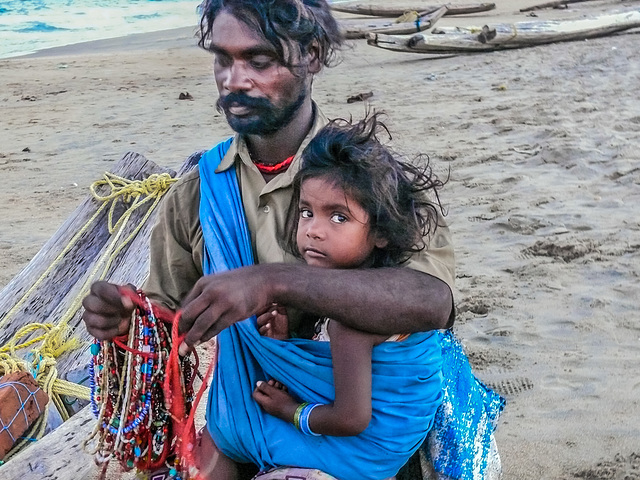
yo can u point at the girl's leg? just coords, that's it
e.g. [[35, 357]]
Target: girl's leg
[[211, 462]]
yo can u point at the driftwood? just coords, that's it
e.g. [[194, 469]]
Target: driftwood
[[52, 299], [359, 29], [507, 36], [63, 283], [388, 11], [554, 4]]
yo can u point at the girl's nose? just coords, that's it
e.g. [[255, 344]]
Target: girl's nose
[[314, 230]]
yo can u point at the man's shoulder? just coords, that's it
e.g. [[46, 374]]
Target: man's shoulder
[[187, 188], [191, 176]]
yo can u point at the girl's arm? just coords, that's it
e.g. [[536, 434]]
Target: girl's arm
[[350, 413]]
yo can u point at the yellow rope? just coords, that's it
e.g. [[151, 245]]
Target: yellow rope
[[51, 267], [54, 340], [406, 17]]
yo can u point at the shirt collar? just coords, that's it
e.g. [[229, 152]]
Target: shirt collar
[[239, 152]]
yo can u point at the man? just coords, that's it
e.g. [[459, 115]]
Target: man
[[265, 57]]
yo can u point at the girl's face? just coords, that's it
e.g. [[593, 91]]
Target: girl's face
[[333, 229]]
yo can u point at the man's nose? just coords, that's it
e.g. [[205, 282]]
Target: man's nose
[[237, 78]]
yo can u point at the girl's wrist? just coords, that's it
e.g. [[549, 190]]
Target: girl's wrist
[[301, 418], [296, 414]]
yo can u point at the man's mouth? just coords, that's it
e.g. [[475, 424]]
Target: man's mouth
[[238, 109], [239, 104]]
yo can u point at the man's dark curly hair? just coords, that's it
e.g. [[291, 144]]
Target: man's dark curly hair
[[290, 26], [400, 198]]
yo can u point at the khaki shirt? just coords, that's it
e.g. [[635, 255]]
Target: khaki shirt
[[177, 244]]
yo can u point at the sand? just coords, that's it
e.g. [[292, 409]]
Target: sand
[[541, 146]]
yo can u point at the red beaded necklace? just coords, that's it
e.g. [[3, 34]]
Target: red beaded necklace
[[274, 168]]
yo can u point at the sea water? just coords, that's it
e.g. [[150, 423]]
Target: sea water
[[30, 25]]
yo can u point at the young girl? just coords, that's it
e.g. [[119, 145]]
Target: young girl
[[358, 208], [354, 206]]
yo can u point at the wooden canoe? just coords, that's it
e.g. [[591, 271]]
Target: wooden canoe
[[506, 36], [359, 29], [387, 11]]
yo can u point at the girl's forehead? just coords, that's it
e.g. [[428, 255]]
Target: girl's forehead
[[322, 186], [328, 193]]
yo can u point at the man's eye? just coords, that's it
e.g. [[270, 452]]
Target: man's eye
[[261, 62], [223, 60], [338, 218], [305, 213]]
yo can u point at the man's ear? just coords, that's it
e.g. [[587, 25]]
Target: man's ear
[[314, 65]]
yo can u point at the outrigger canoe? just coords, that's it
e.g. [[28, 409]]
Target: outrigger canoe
[[359, 29], [504, 36], [387, 11]]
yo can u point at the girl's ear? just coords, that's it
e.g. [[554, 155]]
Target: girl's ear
[[381, 242]]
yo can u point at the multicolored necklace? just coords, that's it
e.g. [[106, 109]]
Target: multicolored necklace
[[274, 168], [142, 394]]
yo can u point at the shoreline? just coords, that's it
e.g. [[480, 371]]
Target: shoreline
[[182, 36], [160, 39]]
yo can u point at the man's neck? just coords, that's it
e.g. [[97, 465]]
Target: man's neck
[[286, 141]]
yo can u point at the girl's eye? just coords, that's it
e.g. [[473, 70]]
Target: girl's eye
[[305, 213], [338, 218]]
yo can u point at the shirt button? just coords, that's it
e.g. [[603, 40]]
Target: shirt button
[[266, 209]]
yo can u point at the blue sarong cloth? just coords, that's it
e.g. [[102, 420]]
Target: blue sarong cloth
[[400, 422]]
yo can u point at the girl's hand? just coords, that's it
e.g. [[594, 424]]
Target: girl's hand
[[273, 397], [274, 323]]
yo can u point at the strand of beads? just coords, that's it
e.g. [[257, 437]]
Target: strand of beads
[[134, 422]]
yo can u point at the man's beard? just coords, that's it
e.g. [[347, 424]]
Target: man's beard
[[264, 117]]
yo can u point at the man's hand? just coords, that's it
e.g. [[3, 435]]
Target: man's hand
[[218, 301], [107, 312], [274, 323]]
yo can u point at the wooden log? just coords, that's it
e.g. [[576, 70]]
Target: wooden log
[[389, 11], [554, 4], [507, 36], [62, 287], [359, 29]]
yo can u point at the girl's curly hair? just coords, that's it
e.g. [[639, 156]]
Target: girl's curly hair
[[400, 198]]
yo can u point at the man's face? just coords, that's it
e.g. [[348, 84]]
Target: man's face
[[258, 95]]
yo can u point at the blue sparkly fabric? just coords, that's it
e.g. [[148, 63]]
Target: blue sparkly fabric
[[459, 443]]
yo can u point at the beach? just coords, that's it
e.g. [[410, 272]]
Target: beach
[[541, 150]]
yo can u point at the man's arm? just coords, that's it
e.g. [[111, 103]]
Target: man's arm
[[384, 301]]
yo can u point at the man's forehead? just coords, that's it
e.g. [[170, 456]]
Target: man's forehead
[[231, 35]]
